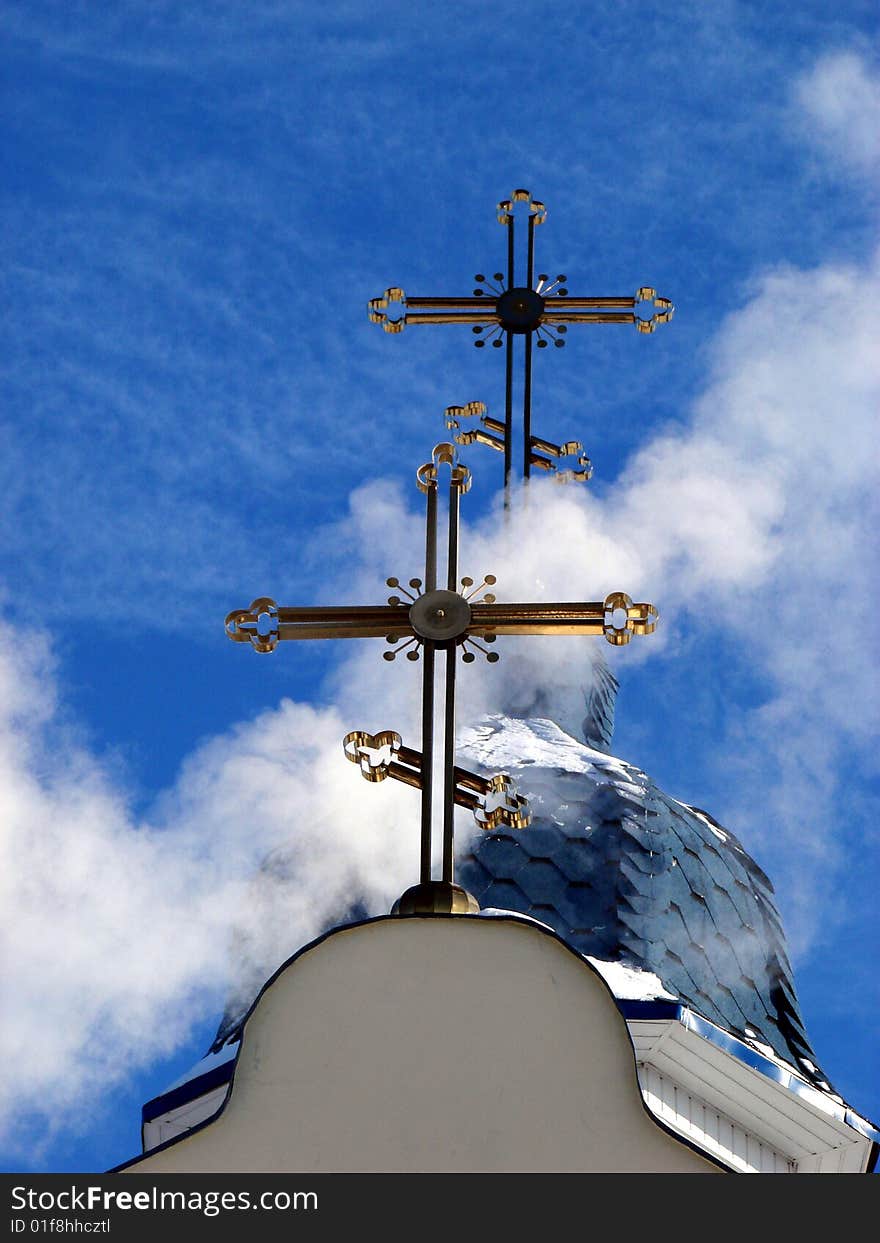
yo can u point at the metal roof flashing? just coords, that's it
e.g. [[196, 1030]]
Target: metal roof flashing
[[753, 1111]]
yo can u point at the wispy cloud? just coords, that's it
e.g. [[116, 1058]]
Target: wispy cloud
[[838, 108], [117, 931]]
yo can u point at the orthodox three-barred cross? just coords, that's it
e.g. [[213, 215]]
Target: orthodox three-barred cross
[[539, 310], [447, 620]]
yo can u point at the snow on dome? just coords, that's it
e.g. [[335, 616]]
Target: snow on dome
[[631, 983], [507, 743]]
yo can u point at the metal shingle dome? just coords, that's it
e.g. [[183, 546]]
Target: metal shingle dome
[[625, 873]]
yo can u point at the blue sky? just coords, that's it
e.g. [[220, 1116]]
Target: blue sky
[[198, 201]]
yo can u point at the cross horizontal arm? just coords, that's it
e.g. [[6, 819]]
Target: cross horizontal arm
[[582, 303], [486, 316], [383, 755], [547, 446], [563, 476], [590, 317], [545, 307], [264, 624], [480, 438], [581, 472], [346, 618], [617, 617], [566, 300], [586, 618], [466, 301]]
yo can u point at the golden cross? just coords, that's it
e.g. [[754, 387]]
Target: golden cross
[[439, 619], [541, 309]]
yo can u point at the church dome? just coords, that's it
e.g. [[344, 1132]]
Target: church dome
[[627, 874]]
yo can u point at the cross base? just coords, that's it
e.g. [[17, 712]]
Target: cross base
[[436, 897]]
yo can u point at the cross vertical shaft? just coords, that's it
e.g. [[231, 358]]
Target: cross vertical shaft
[[428, 688], [459, 481], [449, 716]]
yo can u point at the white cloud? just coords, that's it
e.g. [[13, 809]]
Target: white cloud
[[116, 932], [790, 417], [840, 101]]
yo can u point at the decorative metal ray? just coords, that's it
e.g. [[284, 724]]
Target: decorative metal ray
[[541, 309], [443, 619]]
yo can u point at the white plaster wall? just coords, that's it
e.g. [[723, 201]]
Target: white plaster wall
[[434, 1044]]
